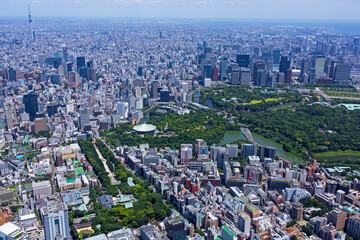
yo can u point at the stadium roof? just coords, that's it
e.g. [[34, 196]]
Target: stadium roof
[[144, 128]]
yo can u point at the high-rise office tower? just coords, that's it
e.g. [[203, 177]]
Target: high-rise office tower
[[340, 195], [55, 79], [356, 41], [206, 72], [337, 218], [227, 171], [258, 65], [342, 72], [243, 60], [297, 211], [285, 64], [11, 74], [165, 95], [305, 66], [333, 64], [140, 71], [176, 229], [353, 226], [356, 45], [320, 64], [223, 68], [56, 222], [69, 67], [122, 109], [260, 77], [312, 76], [83, 72], [186, 153], [31, 104], [248, 150], [269, 79], [91, 74], [130, 99], [52, 109], [59, 161], [235, 75], [288, 75], [267, 152], [84, 118], [80, 62], [65, 54], [276, 56], [9, 119], [154, 89], [40, 125], [245, 76], [244, 223]]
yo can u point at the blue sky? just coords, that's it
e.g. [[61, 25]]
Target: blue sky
[[258, 9]]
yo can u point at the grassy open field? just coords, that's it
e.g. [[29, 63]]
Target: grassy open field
[[272, 99], [337, 154], [255, 101], [343, 94], [286, 106], [266, 100]]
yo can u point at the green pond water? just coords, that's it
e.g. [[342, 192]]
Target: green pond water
[[232, 136]]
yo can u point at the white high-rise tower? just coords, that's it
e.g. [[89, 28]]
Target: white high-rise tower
[[30, 23]]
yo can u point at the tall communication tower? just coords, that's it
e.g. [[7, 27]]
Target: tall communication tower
[[32, 35]]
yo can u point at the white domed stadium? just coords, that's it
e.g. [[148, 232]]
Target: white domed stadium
[[144, 128]]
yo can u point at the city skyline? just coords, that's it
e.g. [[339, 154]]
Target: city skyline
[[215, 9]]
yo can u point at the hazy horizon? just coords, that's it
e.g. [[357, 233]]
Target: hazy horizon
[[305, 10]]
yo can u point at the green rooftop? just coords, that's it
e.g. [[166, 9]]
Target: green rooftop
[[228, 231], [69, 180], [79, 170], [251, 208]]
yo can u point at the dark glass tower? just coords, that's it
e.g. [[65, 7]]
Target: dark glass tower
[[31, 104], [80, 61]]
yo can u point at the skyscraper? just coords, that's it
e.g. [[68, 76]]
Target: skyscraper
[[353, 226], [31, 104], [243, 60], [276, 56], [9, 119], [269, 79], [297, 211], [260, 78], [84, 118], [223, 67], [337, 218], [320, 64], [342, 72], [56, 222], [80, 62], [122, 109], [154, 89], [32, 35], [235, 75], [305, 66], [284, 64], [258, 65], [11, 74], [244, 223], [248, 150], [245, 75]]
